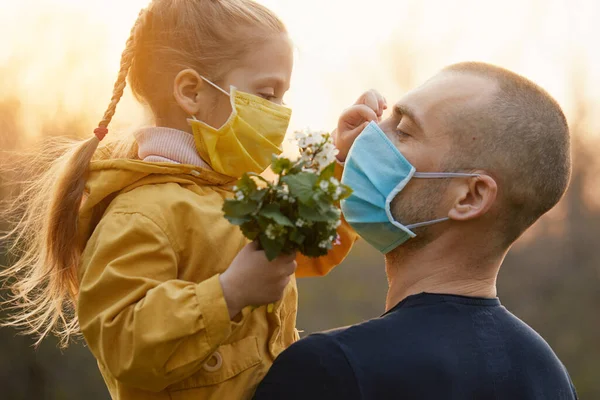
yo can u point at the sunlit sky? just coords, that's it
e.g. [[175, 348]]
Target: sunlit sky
[[60, 57]]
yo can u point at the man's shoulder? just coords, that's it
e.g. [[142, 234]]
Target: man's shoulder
[[315, 367], [318, 347], [522, 339], [368, 332], [335, 347]]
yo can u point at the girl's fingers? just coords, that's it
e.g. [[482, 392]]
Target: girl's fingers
[[353, 134], [372, 102], [364, 112]]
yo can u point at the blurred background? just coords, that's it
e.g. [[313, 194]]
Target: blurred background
[[59, 58]]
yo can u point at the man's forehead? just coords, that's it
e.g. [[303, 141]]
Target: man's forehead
[[444, 92]]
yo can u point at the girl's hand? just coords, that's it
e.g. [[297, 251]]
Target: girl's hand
[[369, 107], [252, 280]]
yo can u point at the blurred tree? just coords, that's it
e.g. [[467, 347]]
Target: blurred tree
[[46, 372]]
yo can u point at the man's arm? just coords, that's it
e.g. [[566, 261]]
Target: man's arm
[[312, 369]]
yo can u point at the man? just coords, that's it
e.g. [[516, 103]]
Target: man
[[443, 187]]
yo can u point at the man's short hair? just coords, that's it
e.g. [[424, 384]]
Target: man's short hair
[[522, 138]]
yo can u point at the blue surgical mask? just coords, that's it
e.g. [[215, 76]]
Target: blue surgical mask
[[377, 171]]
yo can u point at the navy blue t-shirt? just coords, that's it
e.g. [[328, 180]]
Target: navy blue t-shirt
[[429, 346]]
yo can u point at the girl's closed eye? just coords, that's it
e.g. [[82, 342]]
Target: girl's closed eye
[[272, 97], [267, 94]]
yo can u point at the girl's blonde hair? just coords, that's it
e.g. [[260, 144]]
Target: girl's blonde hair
[[209, 36]]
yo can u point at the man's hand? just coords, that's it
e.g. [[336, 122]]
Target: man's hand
[[369, 107]]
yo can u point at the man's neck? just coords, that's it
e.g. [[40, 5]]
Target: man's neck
[[439, 268]]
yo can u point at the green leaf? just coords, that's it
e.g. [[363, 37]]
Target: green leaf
[[297, 237], [259, 177], [263, 222], [271, 247], [280, 165], [347, 191], [237, 220], [246, 184], [322, 201], [311, 214], [272, 211], [328, 172], [314, 252], [327, 209], [301, 185], [297, 167], [258, 195], [250, 229], [239, 208]]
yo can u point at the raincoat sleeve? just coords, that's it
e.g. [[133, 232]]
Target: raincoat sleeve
[[148, 328], [321, 266]]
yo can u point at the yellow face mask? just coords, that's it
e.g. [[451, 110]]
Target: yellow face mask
[[246, 142]]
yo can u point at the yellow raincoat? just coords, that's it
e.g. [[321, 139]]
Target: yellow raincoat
[[150, 305]]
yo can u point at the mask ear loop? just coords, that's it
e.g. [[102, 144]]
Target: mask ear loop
[[437, 175], [219, 88], [427, 223], [443, 175]]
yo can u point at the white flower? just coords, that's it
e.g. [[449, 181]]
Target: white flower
[[326, 154], [324, 185], [334, 182], [323, 244], [323, 160], [270, 232], [298, 135], [284, 192], [329, 149], [300, 223], [302, 138], [308, 138], [334, 224], [312, 140], [239, 195], [306, 158], [338, 192]]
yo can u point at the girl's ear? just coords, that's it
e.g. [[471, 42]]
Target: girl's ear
[[187, 90], [474, 198]]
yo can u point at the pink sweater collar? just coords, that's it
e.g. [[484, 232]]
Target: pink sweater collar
[[159, 144]]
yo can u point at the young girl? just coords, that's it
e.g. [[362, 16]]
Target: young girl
[[130, 246]]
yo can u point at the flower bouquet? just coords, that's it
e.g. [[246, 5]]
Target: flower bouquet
[[298, 211]]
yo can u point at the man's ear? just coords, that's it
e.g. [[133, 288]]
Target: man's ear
[[187, 89], [474, 198]]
